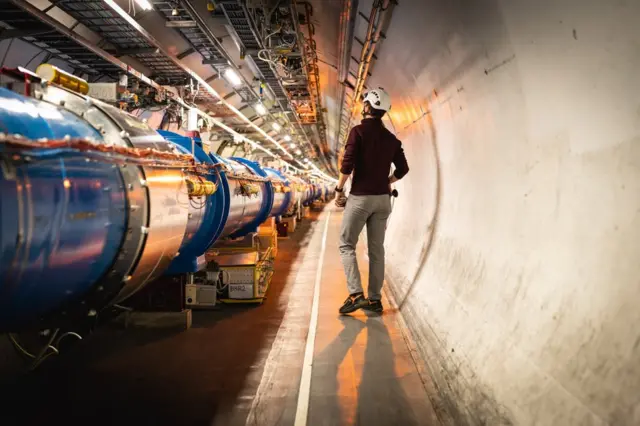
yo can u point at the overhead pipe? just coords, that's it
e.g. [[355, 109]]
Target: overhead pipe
[[193, 13], [154, 42], [57, 26], [256, 35], [365, 46], [312, 70], [347, 26], [49, 20], [379, 18], [294, 14]]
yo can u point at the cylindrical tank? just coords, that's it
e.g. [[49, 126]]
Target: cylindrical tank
[[308, 193], [250, 199], [63, 219], [317, 191], [282, 197], [82, 227], [79, 232], [202, 228], [298, 190], [245, 196]]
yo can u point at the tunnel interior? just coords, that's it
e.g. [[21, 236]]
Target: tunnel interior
[[511, 249]]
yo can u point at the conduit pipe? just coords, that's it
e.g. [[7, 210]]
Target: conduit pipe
[[313, 86], [347, 25], [378, 19], [49, 20], [258, 38], [190, 8], [150, 39]]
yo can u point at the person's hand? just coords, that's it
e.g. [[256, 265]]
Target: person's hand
[[341, 199]]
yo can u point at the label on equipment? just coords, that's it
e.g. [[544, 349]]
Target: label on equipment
[[240, 291]]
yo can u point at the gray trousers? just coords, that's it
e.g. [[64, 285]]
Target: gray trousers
[[361, 210]]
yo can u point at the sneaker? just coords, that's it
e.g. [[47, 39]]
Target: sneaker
[[373, 306], [353, 303]]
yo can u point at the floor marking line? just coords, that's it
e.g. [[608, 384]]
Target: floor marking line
[[304, 393]]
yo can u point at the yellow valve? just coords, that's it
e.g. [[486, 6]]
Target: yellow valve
[[62, 78], [199, 188], [280, 187], [249, 189]]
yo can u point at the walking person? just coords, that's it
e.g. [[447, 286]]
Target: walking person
[[369, 153]]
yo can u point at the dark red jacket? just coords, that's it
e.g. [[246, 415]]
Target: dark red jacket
[[369, 153]]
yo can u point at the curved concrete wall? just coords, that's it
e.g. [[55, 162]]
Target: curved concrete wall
[[514, 246]]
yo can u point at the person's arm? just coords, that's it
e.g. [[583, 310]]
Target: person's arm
[[402, 167], [348, 160], [341, 181]]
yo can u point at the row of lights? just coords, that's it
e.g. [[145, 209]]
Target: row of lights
[[144, 4], [234, 79]]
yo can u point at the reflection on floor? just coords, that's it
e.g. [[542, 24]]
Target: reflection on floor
[[239, 365]]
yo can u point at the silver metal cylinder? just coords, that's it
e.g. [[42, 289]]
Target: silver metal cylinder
[[157, 201], [242, 208]]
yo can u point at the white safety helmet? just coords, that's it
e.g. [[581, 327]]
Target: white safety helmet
[[378, 99]]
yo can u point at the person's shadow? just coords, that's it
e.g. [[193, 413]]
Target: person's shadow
[[381, 400]]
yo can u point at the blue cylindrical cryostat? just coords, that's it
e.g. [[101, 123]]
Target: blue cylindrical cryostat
[[62, 218]]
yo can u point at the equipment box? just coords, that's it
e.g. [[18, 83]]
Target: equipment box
[[268, 240], [245, 277], [291, 223], [200, 296]]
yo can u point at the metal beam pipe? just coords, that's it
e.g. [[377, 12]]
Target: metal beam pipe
[[47, 19], [313, 86], [152, 40], [11, 33], [380, 15], [52, 22], [193, 13], [347, 25]]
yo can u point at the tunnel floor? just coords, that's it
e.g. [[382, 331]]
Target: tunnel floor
[[240, 365]]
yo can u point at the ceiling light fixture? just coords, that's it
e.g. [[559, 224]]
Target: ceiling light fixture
[[298, 152], [292, 146], [276, 127], [260, 109], [145, 34], [232, 77], [144, 4], [287, 138]]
